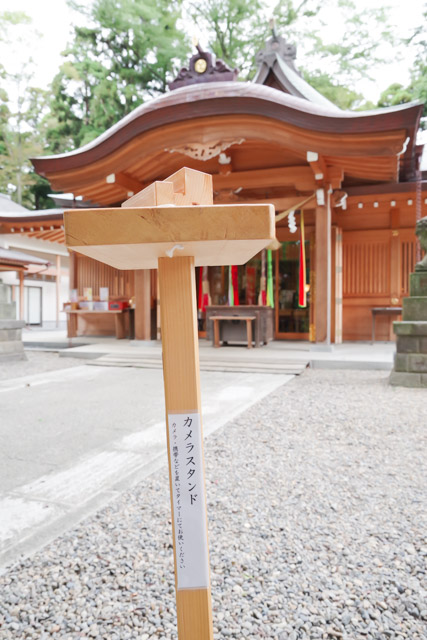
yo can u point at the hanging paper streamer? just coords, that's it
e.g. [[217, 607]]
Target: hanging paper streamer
[[291, 222], [262, 298], [230, 288], [235, 281], [250, 285], [204, 296], [270, 290], [302, 293], [233, 286], [200, 291]]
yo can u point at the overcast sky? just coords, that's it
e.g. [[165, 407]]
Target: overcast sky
[[52, 19]]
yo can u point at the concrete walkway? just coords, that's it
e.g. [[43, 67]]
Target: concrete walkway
[[73, 438], [349, 355]]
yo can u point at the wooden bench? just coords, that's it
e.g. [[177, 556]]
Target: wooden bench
[[387, 311], [248, 319], [119, 320]]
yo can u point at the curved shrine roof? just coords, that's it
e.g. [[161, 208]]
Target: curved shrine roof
[[247, 110], [225, 98]]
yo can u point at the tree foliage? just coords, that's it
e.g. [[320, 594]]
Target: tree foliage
[[124, 55], [237, 29], [22, 132], [124, 52], [396, 93]]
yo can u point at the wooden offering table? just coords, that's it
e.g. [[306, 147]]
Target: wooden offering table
[[73, 314], [263, 329], [187, 231], [248, 319]]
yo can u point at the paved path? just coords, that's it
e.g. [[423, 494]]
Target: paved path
[[349, 355], [73, 438]]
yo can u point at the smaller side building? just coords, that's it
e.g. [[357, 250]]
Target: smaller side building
[[35, 271]]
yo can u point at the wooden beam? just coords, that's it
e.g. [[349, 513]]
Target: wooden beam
[[184, 187], [280, 203], [157, 193], [299, 177], [323, 174], [125, 181], [214, 235]]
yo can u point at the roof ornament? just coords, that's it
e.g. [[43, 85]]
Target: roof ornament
[[276, 45], [203, 68]]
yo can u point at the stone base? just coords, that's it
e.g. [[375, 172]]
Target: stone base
[[411, 344], [418, 284], [406, 379], [415, 308], [409, 328], [411, 362], [11, 347]]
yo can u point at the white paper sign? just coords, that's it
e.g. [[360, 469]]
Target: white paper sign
[[189, 508]]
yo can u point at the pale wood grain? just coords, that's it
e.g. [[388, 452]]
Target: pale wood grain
[[155, 194], [182, 393], [233, 233]]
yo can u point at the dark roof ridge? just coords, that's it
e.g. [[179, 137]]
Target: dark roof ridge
[[164, 110]]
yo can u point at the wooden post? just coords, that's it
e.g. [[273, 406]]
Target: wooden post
[[142, 304], [182, 394], [322, 314], [73, 270], [21, 295], [58, 287], [144, 235]]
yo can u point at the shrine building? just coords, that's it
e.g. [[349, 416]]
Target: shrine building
[[352, 176]]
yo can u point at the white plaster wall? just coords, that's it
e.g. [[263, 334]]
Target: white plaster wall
[[48, 251], [48, 295]]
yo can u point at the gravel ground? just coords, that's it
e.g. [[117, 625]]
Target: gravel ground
[[316, 498], [37, 362]]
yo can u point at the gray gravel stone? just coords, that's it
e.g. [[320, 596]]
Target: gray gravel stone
[[316, 505], [37, 362]]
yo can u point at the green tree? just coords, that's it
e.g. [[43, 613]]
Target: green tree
[[21, 120], [237, 29], [395, 94], [418, 84], [126, 54], [22, 137], [417, 89]]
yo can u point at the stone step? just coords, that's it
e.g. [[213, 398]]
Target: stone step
[[287, 368]]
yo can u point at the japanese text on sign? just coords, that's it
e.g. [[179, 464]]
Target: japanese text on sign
[[189, 508]]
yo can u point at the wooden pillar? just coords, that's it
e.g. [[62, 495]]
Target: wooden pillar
[[336, 303], [395, 266], [58, 287], [322, 314], [21, 295], [73, 270], [182, 395], [158, 321], [142, 304]]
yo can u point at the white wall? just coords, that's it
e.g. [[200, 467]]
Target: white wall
[[48, 251]]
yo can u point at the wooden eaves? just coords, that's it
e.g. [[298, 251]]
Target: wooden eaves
[[259, 122]]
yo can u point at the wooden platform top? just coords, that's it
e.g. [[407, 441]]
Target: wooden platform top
[[135, 237]]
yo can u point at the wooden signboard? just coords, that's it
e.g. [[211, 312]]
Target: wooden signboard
[[174, 226]]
